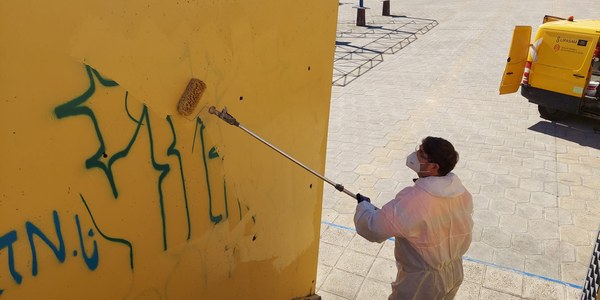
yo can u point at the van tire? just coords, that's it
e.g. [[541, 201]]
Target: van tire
[[550, 113]]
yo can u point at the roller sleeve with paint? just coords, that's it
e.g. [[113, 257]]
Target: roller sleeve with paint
[[229, 119]]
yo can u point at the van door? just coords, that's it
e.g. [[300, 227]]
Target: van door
[[517, 57], [563, 61]]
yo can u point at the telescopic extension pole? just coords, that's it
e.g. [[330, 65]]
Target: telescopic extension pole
[[225, 116]]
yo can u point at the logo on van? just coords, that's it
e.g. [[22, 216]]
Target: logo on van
[[582, 43], [565, 40], [556, 47]]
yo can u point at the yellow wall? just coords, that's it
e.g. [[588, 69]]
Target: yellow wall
[[108, 193]]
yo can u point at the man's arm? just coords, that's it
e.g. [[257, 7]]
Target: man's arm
[[372, 223]]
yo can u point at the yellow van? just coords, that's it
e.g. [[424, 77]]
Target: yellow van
[[559, 71]]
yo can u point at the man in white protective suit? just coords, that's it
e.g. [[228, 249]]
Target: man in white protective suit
[[431, 222]]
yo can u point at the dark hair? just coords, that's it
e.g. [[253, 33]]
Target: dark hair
[[441, 152]]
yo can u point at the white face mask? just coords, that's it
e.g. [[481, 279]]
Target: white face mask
[[412, 161]]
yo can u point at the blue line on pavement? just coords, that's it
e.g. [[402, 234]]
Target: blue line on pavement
[[482, 262]]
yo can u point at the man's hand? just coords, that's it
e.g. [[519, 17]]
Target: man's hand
[[360, 198]]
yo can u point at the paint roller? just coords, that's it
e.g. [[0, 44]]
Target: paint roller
[[188, 105]]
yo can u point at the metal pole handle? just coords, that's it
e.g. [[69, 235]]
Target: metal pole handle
[[225, 116]]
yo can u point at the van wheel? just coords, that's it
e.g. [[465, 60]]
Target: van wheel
[[550, 113]]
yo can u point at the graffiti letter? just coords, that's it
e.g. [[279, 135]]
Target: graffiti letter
[[32, 229], [218, 218], [91, 262], [6, 241], [108, 238], [174, 151]]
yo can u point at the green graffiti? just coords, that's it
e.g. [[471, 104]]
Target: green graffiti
[[162, 168], [225, 195], [127, 110], [173, 151], [115, 240], [74, 107], [212, 153], [218, 218]]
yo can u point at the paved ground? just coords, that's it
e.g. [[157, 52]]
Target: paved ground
[[536, 184]]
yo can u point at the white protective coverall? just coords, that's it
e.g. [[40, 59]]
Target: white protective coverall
[[432, 224]]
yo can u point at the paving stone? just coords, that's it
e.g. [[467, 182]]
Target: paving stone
[[473, 272], [502, 206], [543, 229], [384, 270], [481, 251], [507, 181], [365, 182], [486, 218], [355, 262], [503, 281], [386, 185], [360, 244], [558, 189], [347, 166], [541, 265], [583, 254], [574, 235], [562, 216], [526, 243], [588, 221], [532, 185], [468, 291], [513, 223], [365, 169], [486, 293], [571, 203], [520, 171], [528, 211], [337, 236], [559, 251], [481, 202], [322, 273], [387, 251], [328, 215], [557, 167], [535, 288], [492, 190], [496, 237], [342, 283], [573, 293], [543, 199], [483, 178], [329, 296], [573, 273], [374, 290], [347, 206], [477, 232], [510, 160], [509, 258], [517, 195], [329, 254], [593, 207], [345, 220]]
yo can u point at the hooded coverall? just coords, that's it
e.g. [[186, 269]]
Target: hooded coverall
[[432, 224]]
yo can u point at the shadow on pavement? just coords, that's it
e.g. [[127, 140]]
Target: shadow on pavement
[[580, 130]]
